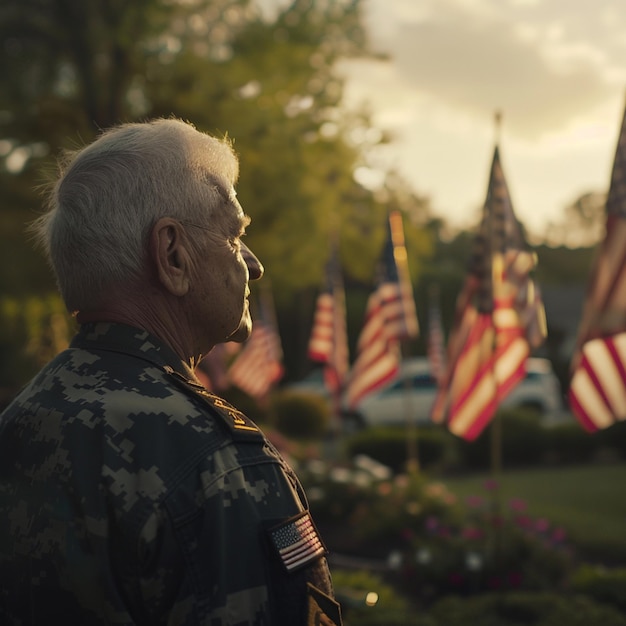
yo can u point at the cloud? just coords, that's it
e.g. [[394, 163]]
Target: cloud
[[556, 70], [383, 91], [480, 68], [473, 56]]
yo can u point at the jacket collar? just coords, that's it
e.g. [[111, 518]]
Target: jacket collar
[[115, 337]]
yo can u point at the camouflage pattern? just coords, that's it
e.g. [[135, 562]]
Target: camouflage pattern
[[131, 495]]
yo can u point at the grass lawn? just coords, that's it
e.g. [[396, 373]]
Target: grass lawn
[[588, 501]]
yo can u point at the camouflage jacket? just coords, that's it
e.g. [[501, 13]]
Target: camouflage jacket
[[131, 495]]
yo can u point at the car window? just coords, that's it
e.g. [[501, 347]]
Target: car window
[[533, 376], [399, 384], [419, 381], [424, 381]]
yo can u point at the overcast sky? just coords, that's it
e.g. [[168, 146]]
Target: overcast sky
[[555, 68]]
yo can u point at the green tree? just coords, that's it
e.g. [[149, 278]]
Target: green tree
[[69, 68], [582, 224], [562, 265], [273, 86]]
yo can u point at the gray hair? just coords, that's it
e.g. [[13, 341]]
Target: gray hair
[[109, 195]]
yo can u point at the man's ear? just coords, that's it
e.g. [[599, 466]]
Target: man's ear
[[170, 254]]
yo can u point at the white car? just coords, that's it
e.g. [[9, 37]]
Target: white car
[[412, 393]]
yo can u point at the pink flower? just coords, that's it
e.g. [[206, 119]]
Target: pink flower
[[432, 523], [401, 481], [436, 489], [474, 502], [384, 489], [542, 525], [518, 505], [449, 498], [491, 485], [523, 521], [472, 533], [558, 534]]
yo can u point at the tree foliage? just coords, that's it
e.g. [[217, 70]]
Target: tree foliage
[[582, 224], [69, 68]]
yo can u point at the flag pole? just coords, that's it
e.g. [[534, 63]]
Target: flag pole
[[390, 318], [496, 431], [435, 342], [412, 457], [404, 281], [338, 293], [328, 341], [496, 424]]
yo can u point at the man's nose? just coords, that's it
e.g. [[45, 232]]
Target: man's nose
[[255, 268]]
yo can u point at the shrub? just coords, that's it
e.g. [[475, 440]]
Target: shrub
[[522, 441], [362, 513], [390, 608], [251, 407], [568, 443], [433, 544], [300, 415], [33, 330], [613, 437], [489, 549], [603, 585], [532, 609], [389, 446]]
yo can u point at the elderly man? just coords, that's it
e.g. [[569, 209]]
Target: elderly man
[[128, 493]]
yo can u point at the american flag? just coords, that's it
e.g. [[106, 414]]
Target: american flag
[[328, 343], [259, 364], [435, 341], [297, 542], [389, 318], [597, 393], [499, 319]]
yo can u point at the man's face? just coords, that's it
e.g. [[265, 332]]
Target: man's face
[[223, 271]]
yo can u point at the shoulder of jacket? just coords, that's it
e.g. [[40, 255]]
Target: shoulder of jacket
[[240, 426]]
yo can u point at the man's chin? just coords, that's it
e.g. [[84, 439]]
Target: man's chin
[[243, 331]]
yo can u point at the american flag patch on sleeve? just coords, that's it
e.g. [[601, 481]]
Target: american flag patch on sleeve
[[297, 542]]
